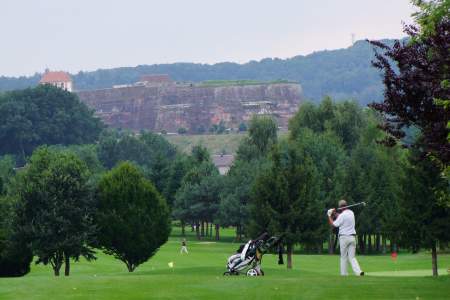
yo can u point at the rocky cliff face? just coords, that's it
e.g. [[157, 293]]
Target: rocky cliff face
[[169, 107]]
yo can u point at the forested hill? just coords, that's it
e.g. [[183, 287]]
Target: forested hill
[[344, 73]]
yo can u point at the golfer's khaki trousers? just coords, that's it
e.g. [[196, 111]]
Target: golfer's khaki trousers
[[348, 247]]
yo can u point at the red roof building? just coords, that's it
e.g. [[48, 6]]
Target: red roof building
[[58, 79]]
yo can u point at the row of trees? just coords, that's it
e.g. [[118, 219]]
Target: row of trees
[[283, 185], [73, 196], [280, 185], [53, 211]]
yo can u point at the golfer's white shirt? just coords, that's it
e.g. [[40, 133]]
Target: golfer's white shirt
[[346, 223]]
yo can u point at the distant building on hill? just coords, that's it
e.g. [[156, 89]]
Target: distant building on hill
[[223, 162], [59, 79]]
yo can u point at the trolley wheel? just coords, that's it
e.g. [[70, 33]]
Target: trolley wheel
[[252, 272]]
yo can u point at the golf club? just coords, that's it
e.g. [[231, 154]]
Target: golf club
[[352, 205]]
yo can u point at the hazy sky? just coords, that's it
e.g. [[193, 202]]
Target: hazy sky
[[89, 34]]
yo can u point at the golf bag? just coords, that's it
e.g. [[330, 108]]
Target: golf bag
[[248, 257]]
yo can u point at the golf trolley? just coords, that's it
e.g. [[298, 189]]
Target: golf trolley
[[248, 258]]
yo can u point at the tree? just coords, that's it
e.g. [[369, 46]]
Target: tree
[[178, 169], [412, 92], [235, 196], [284, 199], [374, 175], [7, 164], [262, 133], [195, 168], [200, 129], [424, 214], [151, 152], [250, 161], [330, 158], [132, 217], [15, 254], [197, 200], [430, 14], [344, 119], [44, 115], [55, 206], [182, 130], [417, 93], [200, 154]]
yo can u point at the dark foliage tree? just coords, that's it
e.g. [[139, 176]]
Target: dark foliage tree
[[200, 154], [55, 208], [15, 253], [44, 115], [284, 199], [250, 161], [425, 213], [235, 196], [178, 169], [197, 200], [7, 164], [413, 87], [132, 217], [374, 175], [190, 174], [330, 159], [150, 151], [262, 132], [182, 130], [344, 119], [242, 127]]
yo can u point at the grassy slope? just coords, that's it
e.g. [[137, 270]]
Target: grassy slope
[[215, 143], [220, 83], [198, 275]]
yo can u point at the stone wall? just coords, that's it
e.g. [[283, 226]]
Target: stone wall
[[169, 107]]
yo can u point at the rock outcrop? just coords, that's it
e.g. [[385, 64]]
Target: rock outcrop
[[194, 107]]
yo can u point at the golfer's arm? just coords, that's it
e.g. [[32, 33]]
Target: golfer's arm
[[330, 221]]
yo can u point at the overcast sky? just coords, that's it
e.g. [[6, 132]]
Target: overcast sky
[[89, 34]]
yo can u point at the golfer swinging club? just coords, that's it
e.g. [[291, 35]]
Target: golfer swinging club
[[346, 223]]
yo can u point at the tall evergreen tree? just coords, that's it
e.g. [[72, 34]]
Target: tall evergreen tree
[[284, 199], [425, 213]]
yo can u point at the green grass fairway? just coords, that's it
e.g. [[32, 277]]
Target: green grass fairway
[[198, 275]]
